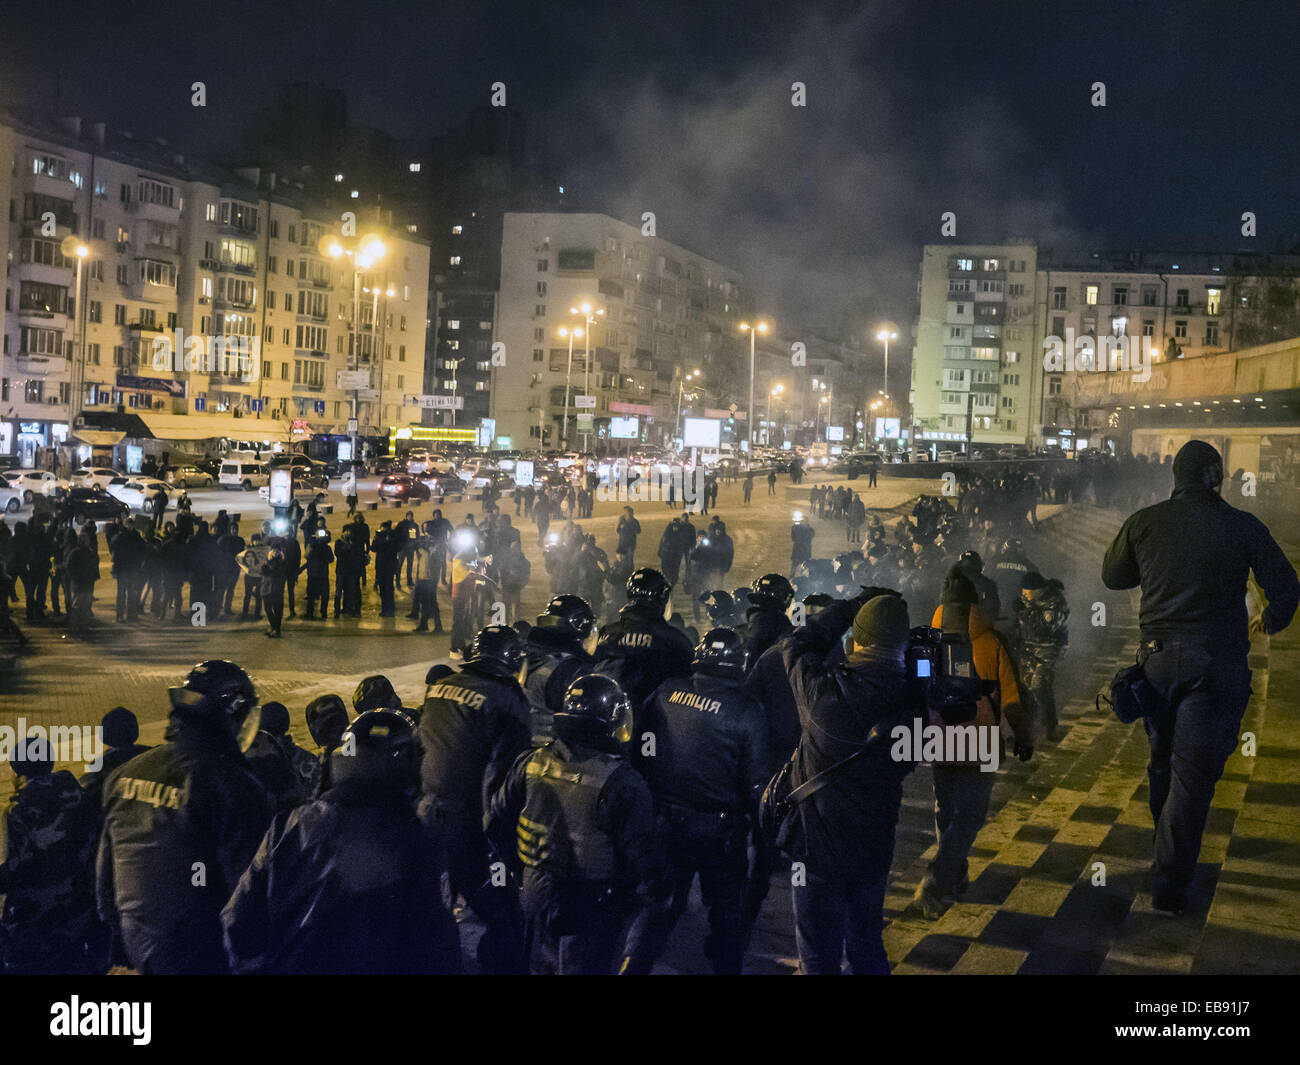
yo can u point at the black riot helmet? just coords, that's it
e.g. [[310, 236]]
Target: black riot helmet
[[497, 650], [649, 587], [721, 653], [971, 563], [379, 748], [771, 589], [375, 693], [1013, 546], [596, 712], [569, 614], [219, 692]]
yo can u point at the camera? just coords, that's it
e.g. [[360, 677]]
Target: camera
[[941, 675]]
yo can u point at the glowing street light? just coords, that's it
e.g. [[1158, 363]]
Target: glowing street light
[[568, 375], [757, 327]]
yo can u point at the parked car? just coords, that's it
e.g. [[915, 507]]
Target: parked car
[[189, 477], [95, 504], [136, 492], [443, 485], [241, 473], [946, 456], [302, 493], [91, 476], [35, 483], [307, 470], [11, 498], [404, 487]]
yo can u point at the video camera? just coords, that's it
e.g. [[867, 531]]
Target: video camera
[[941, 675]]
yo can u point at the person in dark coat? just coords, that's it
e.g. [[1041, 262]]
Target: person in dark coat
[[181, 823], [844, 832], [348, 884], [1191, 556], [118, 731], [47, 877]]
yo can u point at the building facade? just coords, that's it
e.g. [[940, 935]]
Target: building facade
[[657, 312], [205, 296]]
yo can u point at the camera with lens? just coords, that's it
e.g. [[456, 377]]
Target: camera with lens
[[941, 675]]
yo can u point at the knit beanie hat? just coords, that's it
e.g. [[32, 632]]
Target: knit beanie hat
[[882, 622]]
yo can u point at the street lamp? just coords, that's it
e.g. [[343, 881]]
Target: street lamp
[[590, 314], [681, 388], [364, 253], [758, 327], [885, 336], [568, 374], [73, 248], [770, 396]]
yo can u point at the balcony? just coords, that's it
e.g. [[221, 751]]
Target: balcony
[[40, 273], [298, 387], [58, 187], [41, 365]]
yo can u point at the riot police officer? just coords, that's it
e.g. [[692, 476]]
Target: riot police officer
[[709, 763], [181, 822], [1042, 630], [1009, 570], [580, 824], [559, 651], [641, 649], [770, 597], [474, 724], [348, 883]]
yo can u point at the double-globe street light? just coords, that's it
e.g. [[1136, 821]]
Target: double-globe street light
[[681, 389], [568, 376]]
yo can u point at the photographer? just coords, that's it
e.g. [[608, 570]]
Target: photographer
[[846, 829], [1191, 555], [962, 789]]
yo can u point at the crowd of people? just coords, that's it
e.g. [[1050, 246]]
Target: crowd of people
[[567, 781]]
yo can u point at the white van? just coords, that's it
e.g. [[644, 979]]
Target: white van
[[242, 473]]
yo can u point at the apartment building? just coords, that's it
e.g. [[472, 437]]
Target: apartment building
[[656, 310], [975, 344], [208, 306], [986, 311]]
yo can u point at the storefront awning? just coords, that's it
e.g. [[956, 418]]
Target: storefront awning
[[215, 427], [99, 437]]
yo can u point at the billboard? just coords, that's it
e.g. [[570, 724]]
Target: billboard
[[625, 428], [834, 432], [887, 428], [702, 432], [523, 473]]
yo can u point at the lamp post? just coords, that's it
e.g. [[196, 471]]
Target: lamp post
[[770, 396], [681, 387], [364, 254], [757, 327], [885, 336], [590, 314], [71, 248], [568, 376]]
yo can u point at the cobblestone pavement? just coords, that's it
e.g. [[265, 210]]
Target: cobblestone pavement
[[1036, 902]]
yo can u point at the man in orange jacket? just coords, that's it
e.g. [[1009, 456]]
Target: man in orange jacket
[[962, 789]]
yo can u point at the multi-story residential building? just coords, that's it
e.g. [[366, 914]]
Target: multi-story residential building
[[987, 311], [656, 310], [208, 307], [974, 343]]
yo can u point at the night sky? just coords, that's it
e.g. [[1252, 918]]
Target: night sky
[[684, 109]]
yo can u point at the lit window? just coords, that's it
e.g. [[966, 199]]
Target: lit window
[[456, 230], [1090, 295], [453, 323], [338, 177], [1212, 301], [414, 168], [455, 260], [355, 194]]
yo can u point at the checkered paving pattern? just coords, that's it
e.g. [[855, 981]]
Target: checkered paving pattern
[[1059, 874]]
